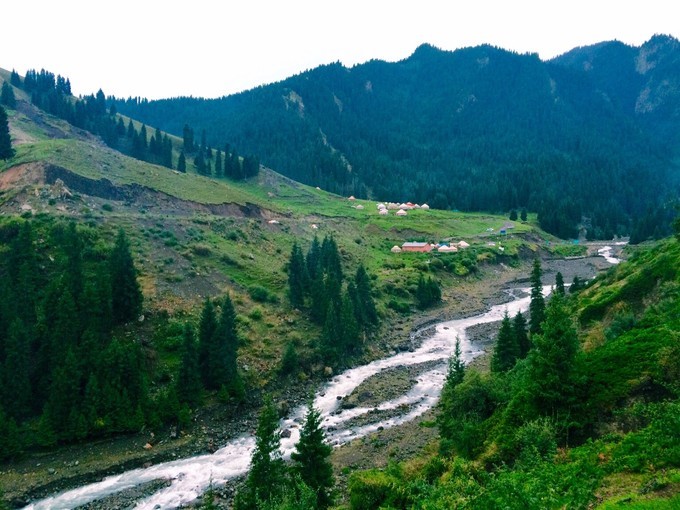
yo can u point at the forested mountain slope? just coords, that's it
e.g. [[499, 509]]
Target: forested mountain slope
[[588, 139]]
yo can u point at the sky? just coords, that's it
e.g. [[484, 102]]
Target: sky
[[166, 48]]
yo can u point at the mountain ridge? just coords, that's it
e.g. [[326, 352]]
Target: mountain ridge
[[478, 128]]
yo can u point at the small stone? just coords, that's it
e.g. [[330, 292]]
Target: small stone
[[285, 433]]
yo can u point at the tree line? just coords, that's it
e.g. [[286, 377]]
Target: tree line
[[98, 115]]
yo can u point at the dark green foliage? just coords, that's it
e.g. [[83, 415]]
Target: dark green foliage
[[6, 150], [367, 316], [537, 303], [559, 284], [576, 285], [182, 163], [266, 478], [62, 372], [523, 214], [312, 458], [513, 215], [549, 377], [297, 277], [10, 440], [218, 345], [506, 351], [290, 362], [188, 385], [519, 328], [126, 295], [206, 334], [7, 96], [428, 292], [464, 411]]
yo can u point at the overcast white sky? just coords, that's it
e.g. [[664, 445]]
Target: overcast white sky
[[168, 48]]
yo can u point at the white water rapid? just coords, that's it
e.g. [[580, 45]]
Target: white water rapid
[[191, 476]]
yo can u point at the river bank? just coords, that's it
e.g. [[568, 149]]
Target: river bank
[[82, 464]]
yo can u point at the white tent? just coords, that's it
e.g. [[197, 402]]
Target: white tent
[[401, 212], [395, 249]]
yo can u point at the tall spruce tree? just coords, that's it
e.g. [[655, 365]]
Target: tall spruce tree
[[222, 361], [267, 475], [126, 294], [7, 97], [6, 150], [312, 458], [551, 362], [366, 311], [297, 277], [559, 284], [206, 336], [537, 303], [188, 387], [506, 350], [519, 328], [182, 162]]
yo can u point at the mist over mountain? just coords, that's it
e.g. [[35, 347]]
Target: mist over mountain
[[588, 140]]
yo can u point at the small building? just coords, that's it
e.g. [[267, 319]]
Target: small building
[[447, 249], [395, 249], [401, 212], [417, 247]]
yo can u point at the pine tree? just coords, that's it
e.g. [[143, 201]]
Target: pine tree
[[188, 387], [266, 477], [349, 328], [7, 96], [206, 337], [218, 164], [182, 163], [456, 366], [297, 276], [312, 458], [188, 139], [366, 312], [222, 366], [519, 328], [537, 303], [16, 385], [551, 362], [126, 295], [513, 215], [506, 350], [559, 284], [523, 214], [6, 150]]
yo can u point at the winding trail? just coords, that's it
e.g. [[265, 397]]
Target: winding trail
[[190, 477]]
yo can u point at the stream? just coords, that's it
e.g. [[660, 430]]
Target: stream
[[190, 477]]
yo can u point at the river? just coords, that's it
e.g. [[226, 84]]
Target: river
[[190, 477]]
